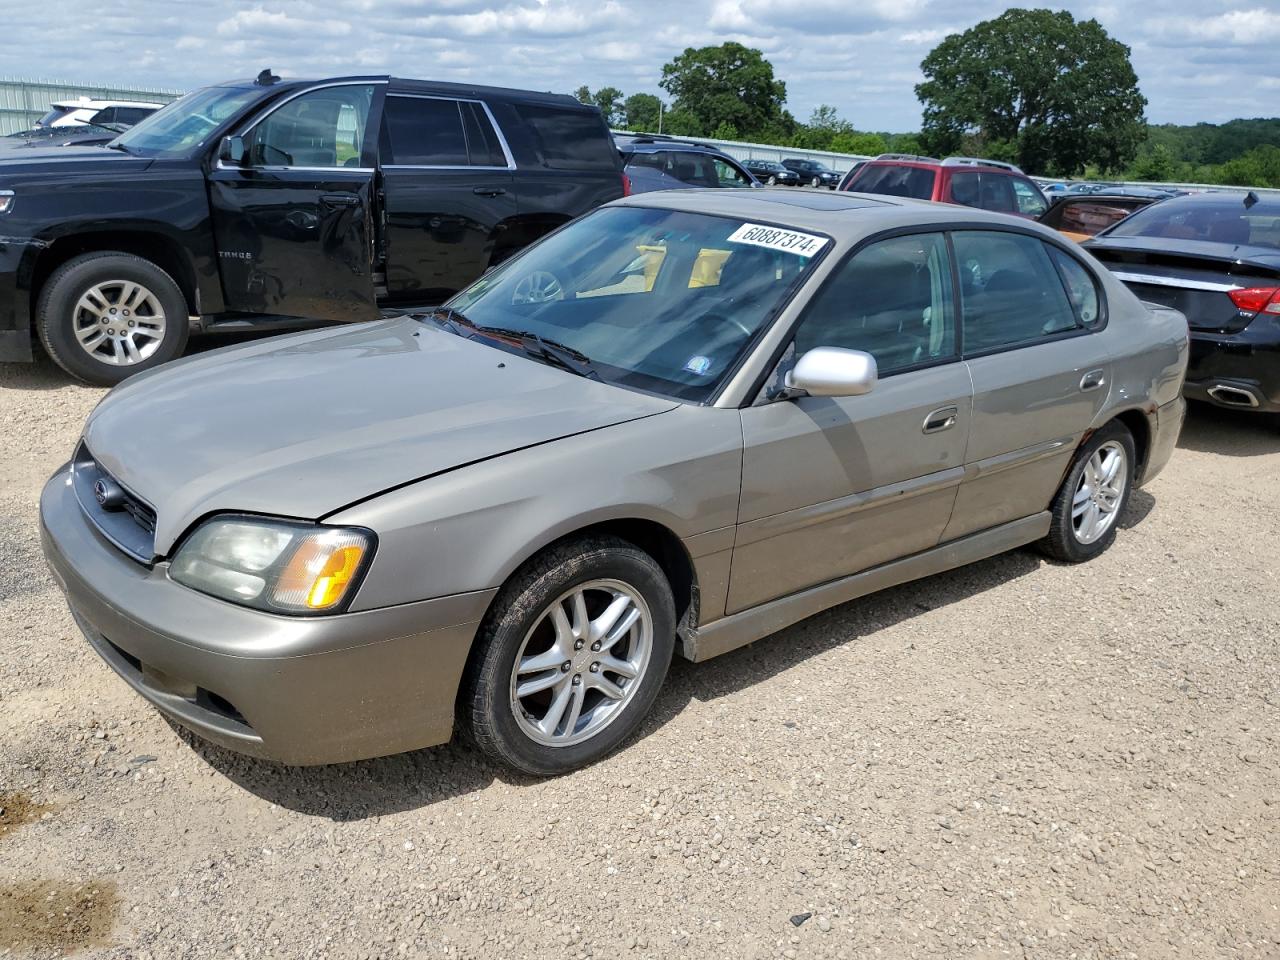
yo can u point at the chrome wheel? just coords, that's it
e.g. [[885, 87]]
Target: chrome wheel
[[1100, 492], [773, 181], [119, 322], [581, 662], [540, 286]]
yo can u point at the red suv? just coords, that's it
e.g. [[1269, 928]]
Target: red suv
[[988, 184]]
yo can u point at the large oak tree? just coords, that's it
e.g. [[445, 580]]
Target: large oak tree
[[1037, 85], [726, 86]]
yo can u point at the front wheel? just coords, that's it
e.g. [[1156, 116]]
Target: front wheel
[[571, 657], [772, 181], [1093, 496], [815, 182], [105, 316]]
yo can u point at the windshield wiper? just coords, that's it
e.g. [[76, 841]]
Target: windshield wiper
[[450, 319], [552, 351], [119, 146]]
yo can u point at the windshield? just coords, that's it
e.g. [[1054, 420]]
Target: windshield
[[187, 123], [1224, 219], [659, 300], [53, 115]]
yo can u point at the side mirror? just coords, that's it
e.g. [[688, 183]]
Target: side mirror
[[232, 151], [833, 372]]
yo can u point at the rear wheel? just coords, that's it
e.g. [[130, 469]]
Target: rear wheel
[[1093, 496], [815, 182], [105, 316], [571, 657], [772, 181]]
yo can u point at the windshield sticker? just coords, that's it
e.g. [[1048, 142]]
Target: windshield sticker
[[787, 241], [698, 365]]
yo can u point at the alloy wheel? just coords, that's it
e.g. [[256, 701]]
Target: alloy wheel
[[541, 286], [581, 662], [1100, 492], [119, 322]]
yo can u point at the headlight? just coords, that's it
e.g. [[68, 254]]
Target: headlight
[[6, 200], [280, 566]]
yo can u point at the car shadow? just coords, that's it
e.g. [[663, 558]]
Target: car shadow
[[409, 781], [1231, 433], [42, 374]]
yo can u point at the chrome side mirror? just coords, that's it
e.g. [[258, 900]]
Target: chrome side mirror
[[232, 151], [833, 372]]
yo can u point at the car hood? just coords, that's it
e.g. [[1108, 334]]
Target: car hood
[[304, 425], [70, 160]]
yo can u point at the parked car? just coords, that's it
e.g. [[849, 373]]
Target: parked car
[[654, 162], [255, 203], [1216, 258], [1083, 216], [813, 173], [969, 181], [683, 422], [771, 173], [851, 173], [72, 113]]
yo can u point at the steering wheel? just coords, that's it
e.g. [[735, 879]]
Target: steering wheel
[[731, 321]]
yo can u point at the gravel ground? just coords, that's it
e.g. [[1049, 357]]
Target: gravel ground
[[1016, 759]]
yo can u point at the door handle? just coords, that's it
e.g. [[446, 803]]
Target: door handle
[[941, 419], [488, 191], [340, 200], [1093, 380]]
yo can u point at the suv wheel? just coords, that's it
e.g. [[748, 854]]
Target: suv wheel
[[571, 657], [815, 182], [105, 316], [1093, 496], [772, 181]]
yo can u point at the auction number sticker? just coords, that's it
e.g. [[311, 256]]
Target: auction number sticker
[[788, 241]]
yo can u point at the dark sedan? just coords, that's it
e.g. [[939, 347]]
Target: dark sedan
[[813, 173], [1216, 258], [771, 172]]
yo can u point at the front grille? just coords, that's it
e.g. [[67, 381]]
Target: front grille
[[130, 524]]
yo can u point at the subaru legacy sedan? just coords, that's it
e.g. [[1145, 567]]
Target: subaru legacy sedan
[[676, 425]]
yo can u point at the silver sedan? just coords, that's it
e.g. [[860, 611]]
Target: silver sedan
[[676, 425]]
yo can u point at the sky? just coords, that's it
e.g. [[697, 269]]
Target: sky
[[1196, 60]]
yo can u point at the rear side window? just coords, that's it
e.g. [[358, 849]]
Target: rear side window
[[569, 139], [892, 300], [1013, 294], [1082, 289], [894, 181], [425, 131]]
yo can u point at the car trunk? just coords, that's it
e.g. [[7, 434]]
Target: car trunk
[[1198, 285]]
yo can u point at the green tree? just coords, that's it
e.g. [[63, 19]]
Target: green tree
[[609, 100], [866, 144], [730, 84], [1260, 167], [1060, 92], [641, 112], [583, 94], [726, 131], [824, 125], [1155, 162]]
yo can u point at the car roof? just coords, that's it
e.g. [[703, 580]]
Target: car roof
[[653, 146], [425, 86], [846, 217]]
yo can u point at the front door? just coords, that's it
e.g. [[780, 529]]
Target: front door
[[1040, 372], [832, 486], [294, 223]]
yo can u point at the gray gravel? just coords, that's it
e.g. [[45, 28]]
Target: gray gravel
[[1016, 759]]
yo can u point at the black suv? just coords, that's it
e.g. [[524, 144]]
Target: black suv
[[654, 162], [258, 203], [813, 173]]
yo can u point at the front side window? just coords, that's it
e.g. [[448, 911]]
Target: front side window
[[1030, 201], [1011, 290], [321, 128], [729, 176], [659, 300], [893, 300]]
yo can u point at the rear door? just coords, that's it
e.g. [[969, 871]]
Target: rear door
[[294, 222], [831, 486], [1030, 316], [448, 197]]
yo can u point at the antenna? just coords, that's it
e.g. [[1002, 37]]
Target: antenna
[[266, 78]]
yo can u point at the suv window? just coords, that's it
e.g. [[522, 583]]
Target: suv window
[[132, 114], [893, 300], [569, 139], [424, 131], [895, 181], [1011, 291], [729, 176], [321, 128], [105, 115], [1029, 199]]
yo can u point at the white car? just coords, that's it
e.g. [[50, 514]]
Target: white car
[[76, 113]]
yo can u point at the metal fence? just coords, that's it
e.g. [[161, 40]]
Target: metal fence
[[23, 102]]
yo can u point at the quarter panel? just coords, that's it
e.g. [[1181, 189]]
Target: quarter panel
[[477, 524]]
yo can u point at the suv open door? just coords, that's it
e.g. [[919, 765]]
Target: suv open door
[[293, 206]]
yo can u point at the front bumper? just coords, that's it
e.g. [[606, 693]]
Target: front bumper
[[297, 690], [1238, 370]]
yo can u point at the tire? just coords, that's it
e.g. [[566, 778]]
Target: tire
[[772, 181], [1072, 538], [117, 288], [815, 182], [520, 627]]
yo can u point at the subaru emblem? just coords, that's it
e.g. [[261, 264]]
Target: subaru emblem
[[108, 494]]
